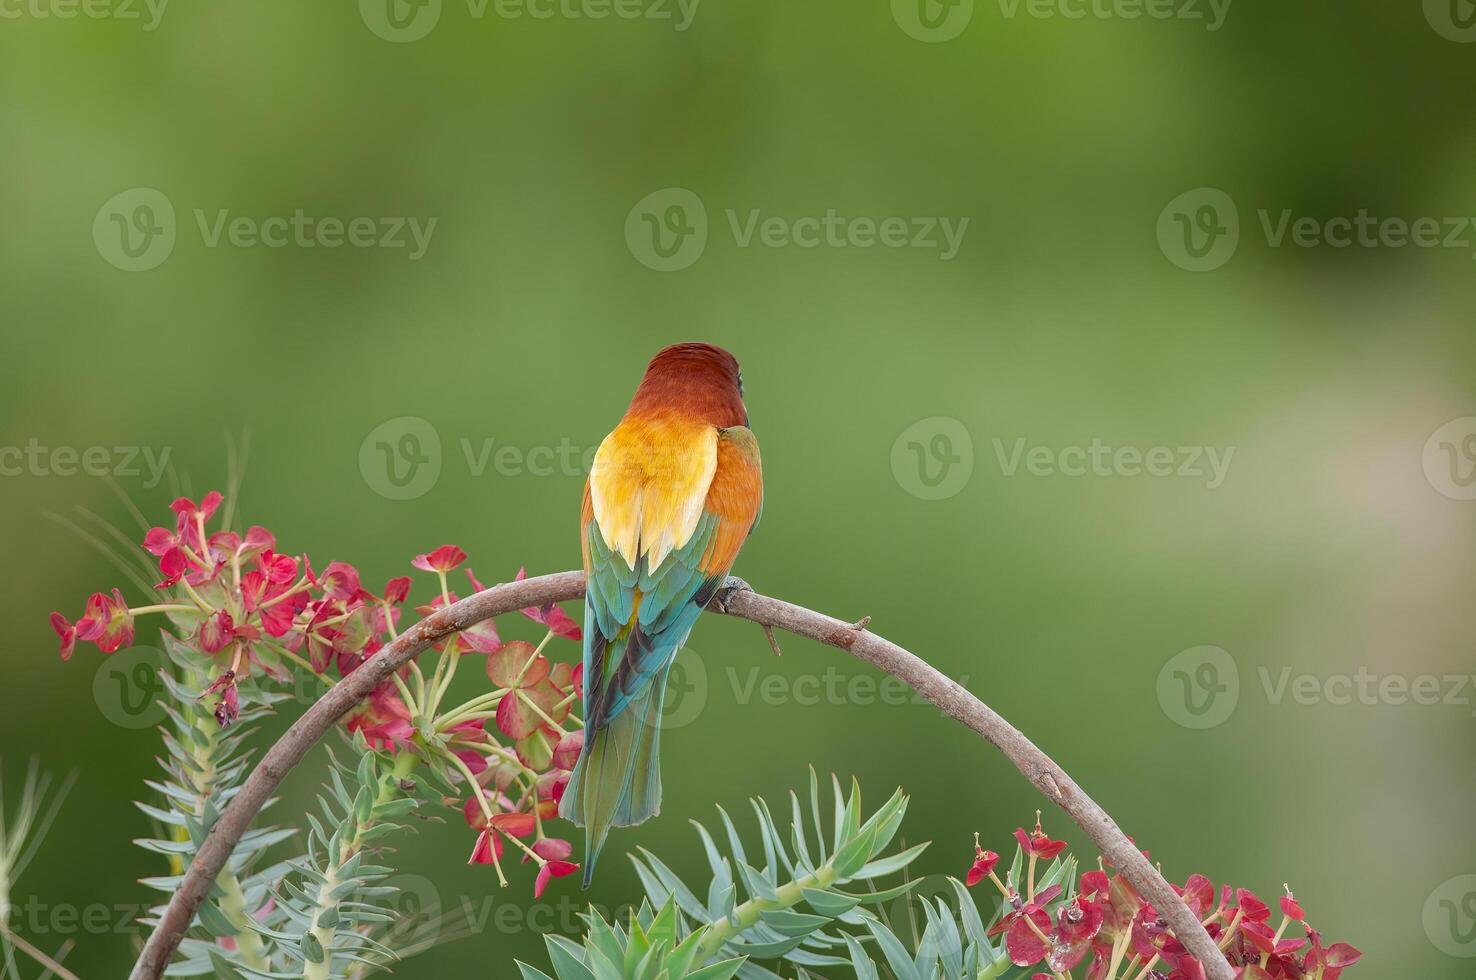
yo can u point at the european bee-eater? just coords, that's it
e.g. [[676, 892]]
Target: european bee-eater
[[671, 497]]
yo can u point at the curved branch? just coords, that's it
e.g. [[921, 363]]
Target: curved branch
[[735, 599]]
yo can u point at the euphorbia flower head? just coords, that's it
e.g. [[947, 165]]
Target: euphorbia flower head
[[340, 581], [488, 848], [984, 862], [216, 632], [549, 871], [442, 560], [1289, 906], [1037, 844], [552, 616], [67, 632], [107, 622]]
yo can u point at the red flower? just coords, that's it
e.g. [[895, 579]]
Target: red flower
[[1023, 940], [160, 540], [67, 632], [984, 862], [397, 590], [267, 593], [216, 632], [1332, 961], [549, 871], [442, 560], [1290, 908], [515, 824], [174, 565], [488, 849], [1077, 924], [552, 849], [1095, 884], [552, 616], [107, 622], [258, 539], [1251, 907], [1036, 844], [278, 569], [1198, 893], [340, 581], [383, 718], [188, 510], [566, 753]]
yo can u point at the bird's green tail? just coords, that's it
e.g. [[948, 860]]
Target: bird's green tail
[[617, 781]]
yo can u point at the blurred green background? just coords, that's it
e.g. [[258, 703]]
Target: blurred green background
[[1334, 543]]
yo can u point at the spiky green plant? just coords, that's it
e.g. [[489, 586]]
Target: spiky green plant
[[790, 909], [651, 948], [812, 903]]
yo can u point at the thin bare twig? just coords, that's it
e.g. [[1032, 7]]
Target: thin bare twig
[[735, 599], [51, 965]]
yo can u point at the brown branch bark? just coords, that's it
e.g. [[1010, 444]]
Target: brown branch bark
[[736, 599]]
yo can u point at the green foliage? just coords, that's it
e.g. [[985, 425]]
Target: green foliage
[[321, 914], [813, 903], [783, 901], [204, 766], [653, 948]]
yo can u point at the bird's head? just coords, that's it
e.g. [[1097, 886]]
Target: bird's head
[[699, 380]]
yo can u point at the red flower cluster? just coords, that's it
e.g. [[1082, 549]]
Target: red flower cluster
[[513, 796], [1110, 928], [249, 610]]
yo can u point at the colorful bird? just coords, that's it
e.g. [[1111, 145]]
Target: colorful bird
[[671, 497]]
